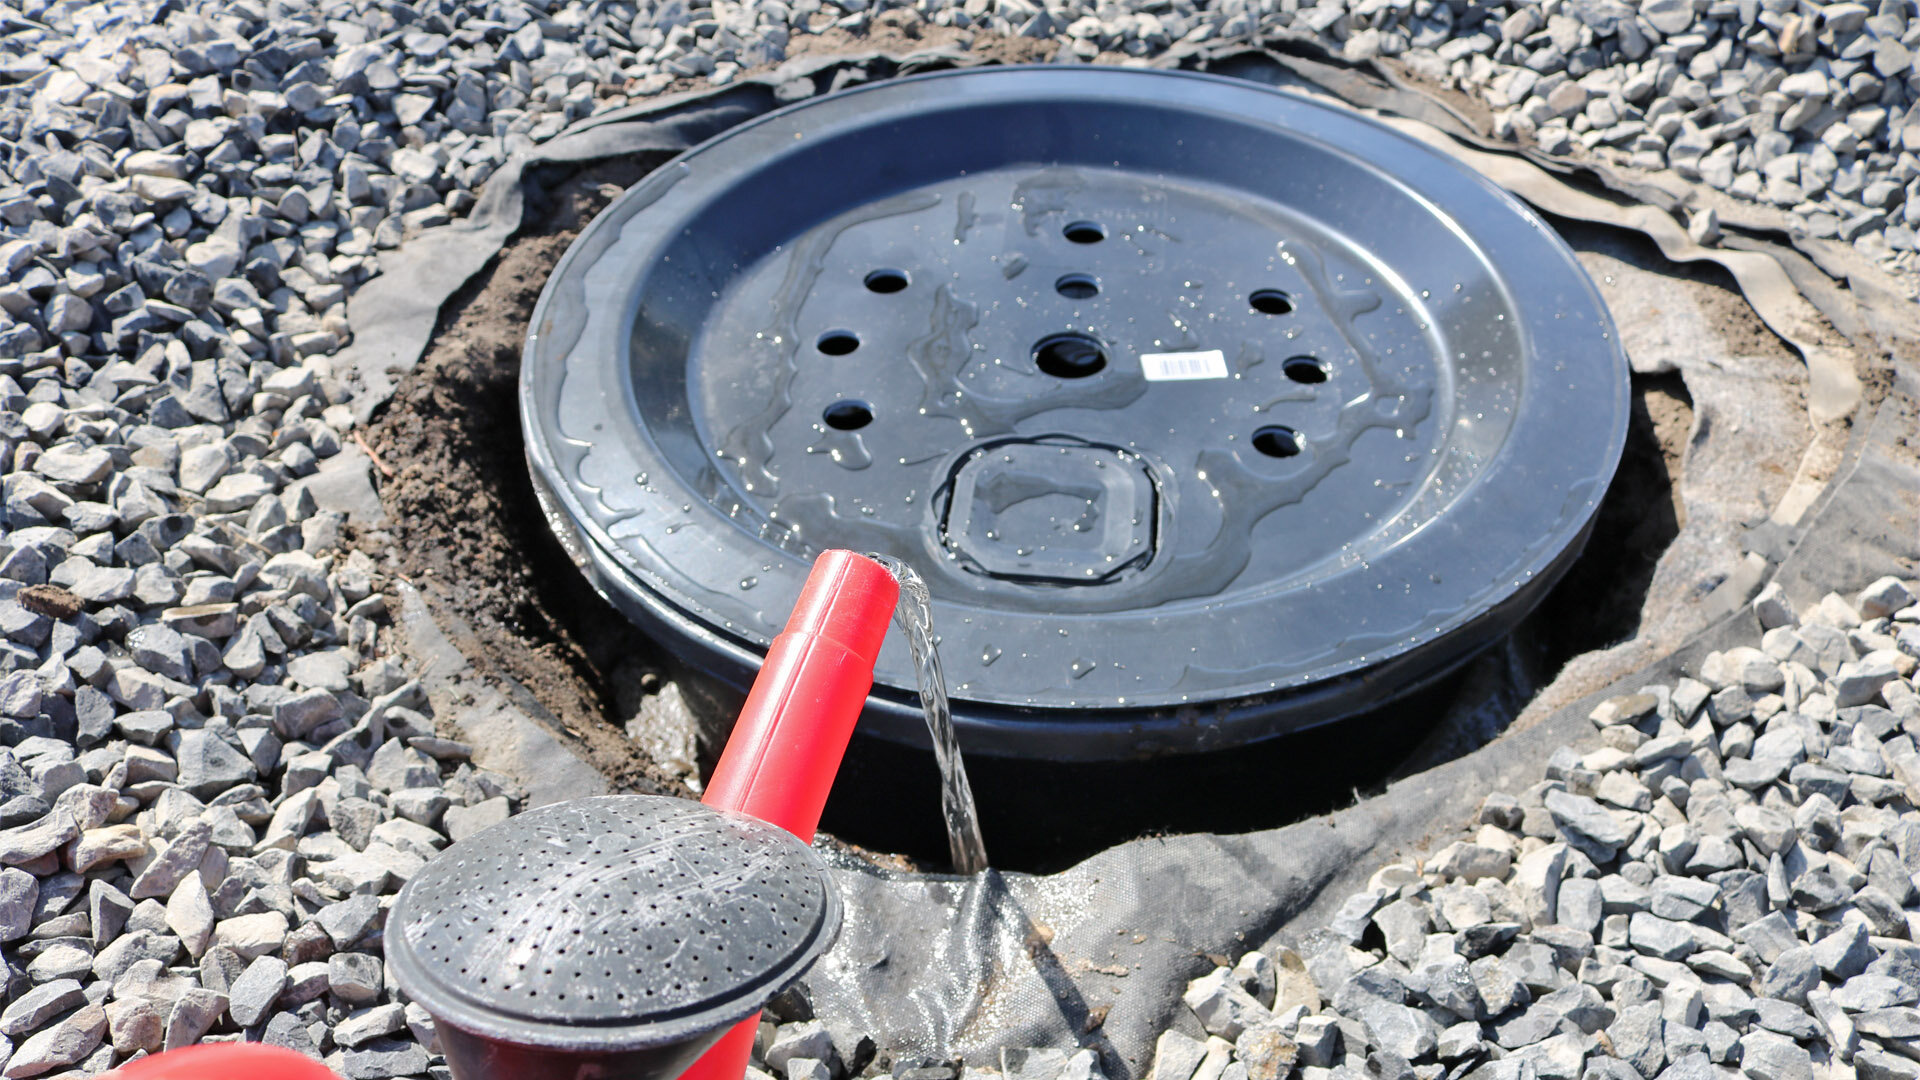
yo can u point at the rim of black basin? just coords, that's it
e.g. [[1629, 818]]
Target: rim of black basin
[[1120, 563]]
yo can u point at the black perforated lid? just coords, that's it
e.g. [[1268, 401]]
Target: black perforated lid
[[611, 923], [1207, 412]]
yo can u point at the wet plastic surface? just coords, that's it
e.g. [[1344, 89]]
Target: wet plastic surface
[[1208, 412], [623, 932]]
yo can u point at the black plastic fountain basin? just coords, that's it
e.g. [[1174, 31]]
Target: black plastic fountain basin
[[1208, 412]]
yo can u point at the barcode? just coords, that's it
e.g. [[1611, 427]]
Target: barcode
[[1168, 366]]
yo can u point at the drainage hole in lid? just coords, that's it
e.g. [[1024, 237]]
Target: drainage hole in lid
[[1069, 356], [1305, 369], [1085, 232], [1277, 441], [885, 281], [848, 415], [838, 342], [1271, 302], [1077, 286]]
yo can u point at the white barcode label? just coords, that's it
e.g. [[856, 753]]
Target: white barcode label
[[1169, 366]]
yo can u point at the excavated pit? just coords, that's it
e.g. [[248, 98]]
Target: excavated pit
[[468, 532]]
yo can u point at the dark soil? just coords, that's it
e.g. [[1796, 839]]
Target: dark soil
[[467, 528]]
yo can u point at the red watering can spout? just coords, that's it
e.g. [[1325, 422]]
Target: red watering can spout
[[787, 744]]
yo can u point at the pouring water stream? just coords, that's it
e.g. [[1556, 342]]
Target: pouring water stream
[[914, 615]]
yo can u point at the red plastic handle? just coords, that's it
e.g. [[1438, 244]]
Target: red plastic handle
[[786, 746], [224, 1061]]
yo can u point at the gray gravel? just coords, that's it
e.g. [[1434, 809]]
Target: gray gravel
[[211, 785], [1726, 883], [216, 776]]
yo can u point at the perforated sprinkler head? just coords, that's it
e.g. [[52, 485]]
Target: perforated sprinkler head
[[610, 937]]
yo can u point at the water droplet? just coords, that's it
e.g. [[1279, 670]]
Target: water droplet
[[1081, 667], [748, 583], [989, 654]]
